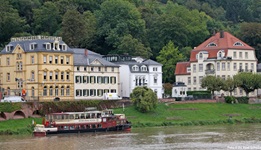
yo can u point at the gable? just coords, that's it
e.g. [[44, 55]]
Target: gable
[[96, 62]]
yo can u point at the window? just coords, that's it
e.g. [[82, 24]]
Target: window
[[44, 75], [92, 79], [86, 92], [99, 79], [238, 44], [99, 92], [56, 91], [44, 59], [219, 54], [246, 55], [240, 54], [67, 60], [223, 77], [228, 66], [78, 68], [85, 68], [246, 66], [62, 91], [45, 91], [19, 56], [105, 69], [51, 76], [143, 68], [189, 80], [223, 66], [106, 80], [78, 92], [200, 55], [9, 48], [8, 76], [252, 66], [92, 68], [235, 54], [32, 75], [67, 90], [56, 60], [155, 69], [64, 47], [112, 69], [235, 66], [68, 76], [48, 46], [32, 59], [33, 92], [135, 68], [21, 66], [51, 91], [78, 79], [194, 80], [7, 61], [200, 66], [33, 46], [240, 66], [194, 68], [99, 69], [62, 75], [62, 59], [218, 66], [92, 92], [200, 79], [50, 59], [113, 80], [56, 76], [211, 44], [155, 80]]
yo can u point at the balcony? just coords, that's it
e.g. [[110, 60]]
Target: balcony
[[210, 71]]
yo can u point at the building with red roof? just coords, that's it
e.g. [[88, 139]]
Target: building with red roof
[[222, 55]]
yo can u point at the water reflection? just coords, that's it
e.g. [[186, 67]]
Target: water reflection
[[194, 137]]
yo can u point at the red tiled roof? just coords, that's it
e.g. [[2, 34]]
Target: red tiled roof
[[222, 43], [181, 68]]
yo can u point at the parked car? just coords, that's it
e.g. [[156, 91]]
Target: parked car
[[13, 99]]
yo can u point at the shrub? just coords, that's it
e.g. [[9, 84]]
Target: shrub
[[230, 99], [243, 100]]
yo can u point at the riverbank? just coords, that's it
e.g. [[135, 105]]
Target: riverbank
[[166, 115]]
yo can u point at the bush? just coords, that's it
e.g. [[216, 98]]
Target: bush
[[230, 99], [243, 100], [200, 94]]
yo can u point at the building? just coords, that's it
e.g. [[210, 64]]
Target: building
[[94, 76], [179, 90], [222, 55], [38, 68], [137, 72]]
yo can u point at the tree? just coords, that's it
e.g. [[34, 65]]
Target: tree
[[47, 19], [144, 99], [167, 89], [212, 83], [248, 81], [169, 56], [229, 85]]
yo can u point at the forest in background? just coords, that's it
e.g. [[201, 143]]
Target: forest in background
[[163, 30]]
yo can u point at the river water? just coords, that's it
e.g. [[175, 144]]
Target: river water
[[246, 136]]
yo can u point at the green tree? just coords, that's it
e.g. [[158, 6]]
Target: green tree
[[169, 56], [144, 99], [46, 19], [229, 85], [116, 19], [248, 81], [212, 83], [10, 22], [167, 89]]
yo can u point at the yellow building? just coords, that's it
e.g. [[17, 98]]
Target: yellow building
[[37, 67]]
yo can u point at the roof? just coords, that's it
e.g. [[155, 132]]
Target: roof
[[219, 41], [85, 57], [181, 68], [40, 44]]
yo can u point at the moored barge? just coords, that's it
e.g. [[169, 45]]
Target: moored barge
[[77, 122]]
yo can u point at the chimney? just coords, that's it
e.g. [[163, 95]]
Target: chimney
[[86, 52], [222, 34]]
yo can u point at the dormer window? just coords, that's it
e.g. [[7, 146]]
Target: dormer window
[[212, 44], [238, 44], [64, 47], [143, 68], [33, 46], [48, 46], [135, 68], [220, 54], [200, 55], [56, 45], [9, 48]]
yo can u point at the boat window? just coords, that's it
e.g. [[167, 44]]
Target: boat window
[[71, 127], [94, 126], [76, 116], [104, 119], [98, 115], [87, 116], [82, 116], [71, 116], [66, 128]]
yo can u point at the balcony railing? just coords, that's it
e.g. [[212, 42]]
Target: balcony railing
[[210, 71]]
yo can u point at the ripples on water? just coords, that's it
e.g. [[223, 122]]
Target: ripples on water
[[164, 138]]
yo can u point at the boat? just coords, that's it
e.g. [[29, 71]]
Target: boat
[[78, 122]]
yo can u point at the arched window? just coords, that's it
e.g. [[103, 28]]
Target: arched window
[[143, 68], [212, 44], [56, 90], [62, 91], [45, 91], [200, 55], [51, 91], [68, 90], [238, 44]]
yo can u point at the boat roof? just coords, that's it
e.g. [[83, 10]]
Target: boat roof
[[71, 113]]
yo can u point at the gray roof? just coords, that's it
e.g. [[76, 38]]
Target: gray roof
[[39, 41], [82, 59]]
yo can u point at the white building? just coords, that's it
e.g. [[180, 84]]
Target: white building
[[93, 75], [179, 89], [222, 55], [137, 72]]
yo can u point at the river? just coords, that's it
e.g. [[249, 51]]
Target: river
[[247, 136]]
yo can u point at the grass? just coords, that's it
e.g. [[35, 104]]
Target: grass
[[166, 115], [194, 114]]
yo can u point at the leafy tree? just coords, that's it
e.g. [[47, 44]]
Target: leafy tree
[[47, 19], [229, 85], [248, 81], [169, 56], [167, 89], [10, 22], [212, 83], [144, 99], [116, 19]]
